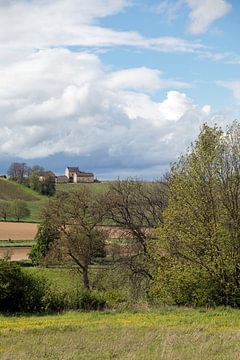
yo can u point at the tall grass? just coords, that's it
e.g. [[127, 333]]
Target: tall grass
[[176, 334]]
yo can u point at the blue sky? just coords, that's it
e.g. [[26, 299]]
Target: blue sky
[[118, 87]]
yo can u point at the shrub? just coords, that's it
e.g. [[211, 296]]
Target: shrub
[[89, 301], [20, 292], [55, 301]]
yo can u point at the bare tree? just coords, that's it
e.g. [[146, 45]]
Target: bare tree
[[5, 209], [137, 208], [77, 216], [20, 209], [18, 171]]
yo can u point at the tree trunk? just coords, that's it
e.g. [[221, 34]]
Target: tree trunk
[[85, 278]]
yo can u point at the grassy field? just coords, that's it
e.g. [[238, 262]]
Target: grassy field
[[96, 187], [176, 334], [62, 279], [16, 243]]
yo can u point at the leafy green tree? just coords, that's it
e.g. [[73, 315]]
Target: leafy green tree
[[47, 181], [5, 209], [42, 181], [46, 235], [20, 209], [34, 182], [198, 251]]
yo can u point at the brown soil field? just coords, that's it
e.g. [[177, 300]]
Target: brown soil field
[[27, 231], [17, 231], [15, 253]]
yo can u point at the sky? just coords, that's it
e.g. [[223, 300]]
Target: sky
[[117, 87]]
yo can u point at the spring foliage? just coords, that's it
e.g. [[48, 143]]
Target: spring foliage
[[198, 251]]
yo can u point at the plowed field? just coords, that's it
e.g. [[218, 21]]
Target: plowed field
[[15, 253], [17, 231]]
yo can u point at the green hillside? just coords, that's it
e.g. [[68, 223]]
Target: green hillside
[[10, 190], [95, 187]]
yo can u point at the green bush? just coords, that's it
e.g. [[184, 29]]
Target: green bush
[[178, 283], [56, 301], [20, 292], [89, 301]]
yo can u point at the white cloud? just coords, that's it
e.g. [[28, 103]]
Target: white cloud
[[234, 86], [38, 24], [170, 9], [204, 13], [59, 101], [144, 79]]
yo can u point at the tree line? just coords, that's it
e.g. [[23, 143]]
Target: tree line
[[181, 235], [17, 209], [35, 177]]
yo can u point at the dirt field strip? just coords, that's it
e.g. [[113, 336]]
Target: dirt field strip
[[15, 253], [17, 231]]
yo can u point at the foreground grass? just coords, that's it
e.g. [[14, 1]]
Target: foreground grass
[[163, 334]]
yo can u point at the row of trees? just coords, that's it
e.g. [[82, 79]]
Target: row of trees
[[35, 177], [182, 234], [16, 209]]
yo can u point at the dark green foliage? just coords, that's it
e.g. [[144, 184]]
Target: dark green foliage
[[45, 237], [88, 301], [20, 292], [42, 181]]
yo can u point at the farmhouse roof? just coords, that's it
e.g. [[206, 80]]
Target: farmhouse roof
[[73, 168]]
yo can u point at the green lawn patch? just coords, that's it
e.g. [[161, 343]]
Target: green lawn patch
[[16, 243]]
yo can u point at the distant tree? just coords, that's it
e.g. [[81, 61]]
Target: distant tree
[[37, 169], [48, 186], [20, 209], [5, 209], [34, 182], [42, 181], [18, 172]]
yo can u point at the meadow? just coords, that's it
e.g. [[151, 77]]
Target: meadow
[[163, 334]]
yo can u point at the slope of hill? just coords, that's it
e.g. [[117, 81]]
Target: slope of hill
[[95, 187], [10, 190]]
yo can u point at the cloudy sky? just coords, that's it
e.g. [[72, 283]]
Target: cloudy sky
[[119, 87]]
